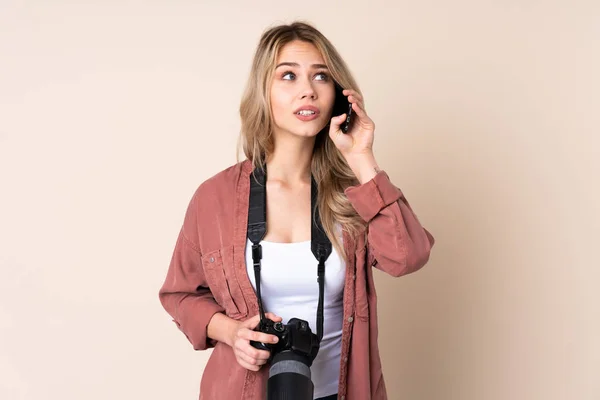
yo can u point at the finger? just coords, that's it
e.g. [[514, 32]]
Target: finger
[[243, 347], [256, 336], [354, 93], [273, 317], [258, 355], [262, 358], [246, 334], [353, 100], [253, 353], [360, 112], [247, 365], [246, 358], [252, 360]]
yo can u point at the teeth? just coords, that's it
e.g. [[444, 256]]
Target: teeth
[[306, 112]]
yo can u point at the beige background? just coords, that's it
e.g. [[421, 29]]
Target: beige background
[[487, 113]]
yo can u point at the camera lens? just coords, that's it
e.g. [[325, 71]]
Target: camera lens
[[290, 377]]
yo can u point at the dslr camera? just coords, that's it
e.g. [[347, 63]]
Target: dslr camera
[[291, 358]]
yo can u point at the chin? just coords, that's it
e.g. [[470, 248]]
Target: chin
[[302, 129], [307, 130], [306, 133]]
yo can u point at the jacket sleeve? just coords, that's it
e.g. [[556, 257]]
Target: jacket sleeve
[[397, 243], [185, 294]]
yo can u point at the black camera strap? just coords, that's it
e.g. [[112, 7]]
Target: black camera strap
[[320, 244]]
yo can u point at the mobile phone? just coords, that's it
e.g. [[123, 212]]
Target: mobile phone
[[341, 106]]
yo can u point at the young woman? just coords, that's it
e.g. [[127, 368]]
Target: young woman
[[288, 127]]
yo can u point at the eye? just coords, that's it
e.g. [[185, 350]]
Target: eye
[[290, 74], [323, 75]]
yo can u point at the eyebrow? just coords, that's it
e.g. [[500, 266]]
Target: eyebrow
[[294, 64]]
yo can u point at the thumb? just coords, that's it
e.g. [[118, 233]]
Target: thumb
[[273, 317], [337, 121]]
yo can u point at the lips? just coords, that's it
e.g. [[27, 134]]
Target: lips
[[307, 108], [307, 113]]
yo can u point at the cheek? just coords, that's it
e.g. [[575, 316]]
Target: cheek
[[278, 113], [329, 100], [279, 104]]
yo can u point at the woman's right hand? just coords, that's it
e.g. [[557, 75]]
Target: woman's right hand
[[247, 356]]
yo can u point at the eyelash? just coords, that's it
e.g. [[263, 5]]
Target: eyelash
[[326, 77]]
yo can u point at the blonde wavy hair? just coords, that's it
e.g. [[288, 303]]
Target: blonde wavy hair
[[329, 168]]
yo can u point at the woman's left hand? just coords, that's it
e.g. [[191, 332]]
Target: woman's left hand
[[359, 138]]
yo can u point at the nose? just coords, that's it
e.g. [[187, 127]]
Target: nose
[[308, 91]]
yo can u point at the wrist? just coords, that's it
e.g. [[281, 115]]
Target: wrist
[[222, 328], [232, 333], [364, 166]]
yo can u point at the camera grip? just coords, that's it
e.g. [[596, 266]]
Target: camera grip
[[259, 345]]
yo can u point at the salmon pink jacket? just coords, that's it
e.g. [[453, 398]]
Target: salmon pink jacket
[[207, 275]]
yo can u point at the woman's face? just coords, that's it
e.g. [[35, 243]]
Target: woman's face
[[302, 91]]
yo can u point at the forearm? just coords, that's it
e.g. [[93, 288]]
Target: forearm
[[396, 238], [364, 166], [222, 328]]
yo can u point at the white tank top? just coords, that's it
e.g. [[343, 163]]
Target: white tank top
[[289, 288]]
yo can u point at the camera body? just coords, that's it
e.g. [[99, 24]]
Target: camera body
[[294, 336]]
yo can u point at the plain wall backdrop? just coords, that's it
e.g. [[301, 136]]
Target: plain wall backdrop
[[487, 116]]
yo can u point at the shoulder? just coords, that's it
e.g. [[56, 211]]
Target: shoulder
[[222, 183], [217, 195], [210, 214]]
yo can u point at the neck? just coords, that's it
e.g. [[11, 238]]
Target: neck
[[291, 160]]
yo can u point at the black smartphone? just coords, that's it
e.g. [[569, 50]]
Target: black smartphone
[[341, 106]]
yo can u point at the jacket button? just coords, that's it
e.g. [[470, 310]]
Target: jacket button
[[212, 259], [343, 397], [345, 359], [350, 319]]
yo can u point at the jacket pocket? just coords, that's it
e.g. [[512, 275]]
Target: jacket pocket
[[223, 285], [361, 297]]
